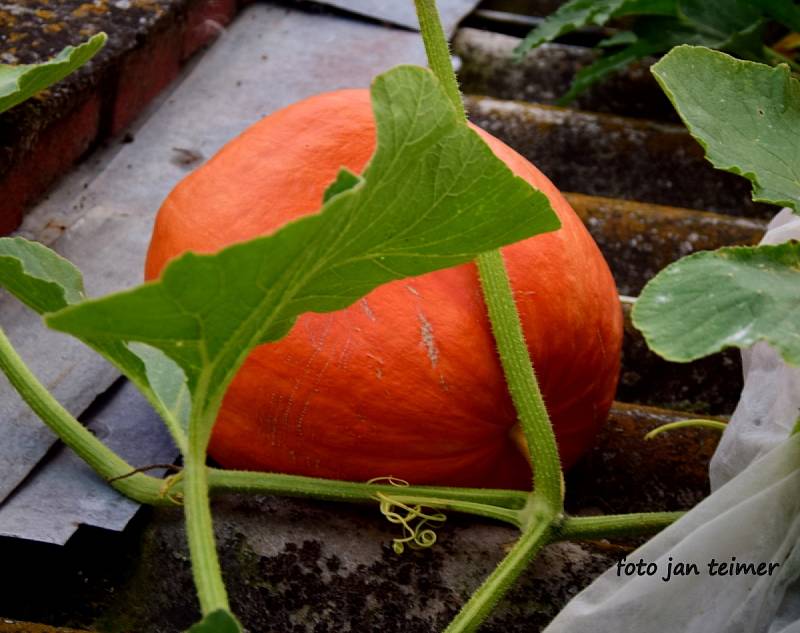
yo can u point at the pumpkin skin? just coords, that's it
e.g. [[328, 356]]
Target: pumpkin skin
[[406, 382]]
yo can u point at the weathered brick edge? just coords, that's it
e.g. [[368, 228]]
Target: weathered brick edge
[[105, 110]]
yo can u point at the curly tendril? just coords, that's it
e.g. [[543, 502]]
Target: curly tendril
[[414, 519]]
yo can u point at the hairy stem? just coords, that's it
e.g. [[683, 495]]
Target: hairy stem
[[335, 490], [103, 460], [499, 299], [199, 527], [437, 50], [521, 379], [614, 525], [500, 580]]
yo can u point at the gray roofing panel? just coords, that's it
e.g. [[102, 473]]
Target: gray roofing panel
[[63, 492]]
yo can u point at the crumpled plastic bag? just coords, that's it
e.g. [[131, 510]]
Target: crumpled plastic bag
[[752, 515]]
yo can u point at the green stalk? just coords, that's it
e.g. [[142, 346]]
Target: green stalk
[[335, 490], [482, 602], [199, 527], [437, 51], [614, 525], [103, 460], [499, 299], [545, 504], [521, 379]]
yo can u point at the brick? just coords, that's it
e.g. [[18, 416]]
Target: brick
[[144, 73]]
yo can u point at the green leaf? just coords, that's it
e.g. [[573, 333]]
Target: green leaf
[[729, 25], [732, 297], [37, 276], [648, 7], [345, 180], [745, 115], [18, 83], [607, 65], [719, 19], [651, 35], [46, 283], [567, 18], [577, 14], [620, 38], [217, 622], [168, 384], [433, 196]]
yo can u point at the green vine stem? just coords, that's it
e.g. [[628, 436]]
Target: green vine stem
[[459, 499], [199, 526], [500, 504], [499, 299], [545, 504], [482, 602], [437, 51], [103, 460], [614, 525], [521, 379]]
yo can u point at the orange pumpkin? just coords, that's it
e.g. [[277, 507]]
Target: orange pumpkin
[[406, 382]]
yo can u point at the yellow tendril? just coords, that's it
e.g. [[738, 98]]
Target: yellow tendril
[[413, 519]]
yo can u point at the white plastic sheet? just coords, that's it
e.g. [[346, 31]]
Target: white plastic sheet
[[752, 515]]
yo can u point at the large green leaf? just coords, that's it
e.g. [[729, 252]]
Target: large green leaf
[[732, 297], [568, 17], [18, 83], [607, 65], [46, 282], [719, 19], [217, 622], [580, 13], [651, 35], [433, 196], [746, 116], [729, 25]]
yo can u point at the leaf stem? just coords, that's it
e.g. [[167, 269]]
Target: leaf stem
[[335, 490], [199, 527], [521, 379], [103, 460], [437, 50], [614, 525], [500, 580], [545, 505], [514, 517], [499, 299]]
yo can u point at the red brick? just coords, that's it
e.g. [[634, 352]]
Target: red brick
[[204, 22], [143, 74], [54, 152]]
